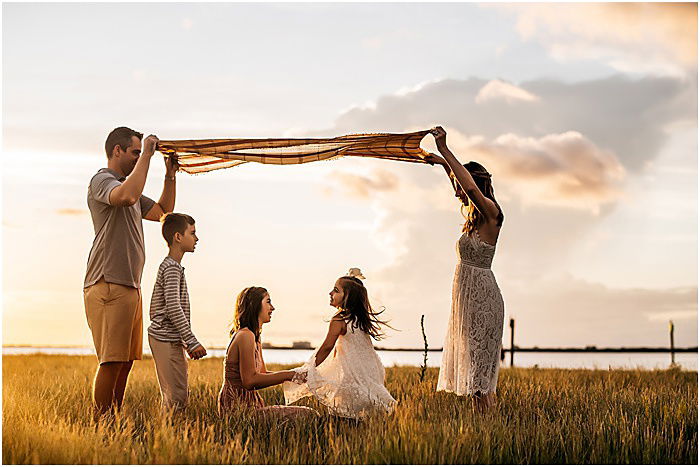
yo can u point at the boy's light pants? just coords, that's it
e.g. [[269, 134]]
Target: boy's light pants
[[171, 368]]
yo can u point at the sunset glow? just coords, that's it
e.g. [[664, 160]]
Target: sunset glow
[[590, 133]]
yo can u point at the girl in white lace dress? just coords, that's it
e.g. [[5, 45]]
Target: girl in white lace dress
[[345, 372], [472, 349]]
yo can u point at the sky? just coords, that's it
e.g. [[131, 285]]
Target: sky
[[586, 114]]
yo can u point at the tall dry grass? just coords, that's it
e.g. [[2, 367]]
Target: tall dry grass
[[543, 416]]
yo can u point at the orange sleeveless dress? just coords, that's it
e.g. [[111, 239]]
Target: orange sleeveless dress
[[232, 393]]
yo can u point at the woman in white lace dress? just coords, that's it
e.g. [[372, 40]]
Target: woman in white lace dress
[[472, 348], [350, 381]]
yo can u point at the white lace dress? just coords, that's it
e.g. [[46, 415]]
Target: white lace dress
[[350, 381], [472, 349]]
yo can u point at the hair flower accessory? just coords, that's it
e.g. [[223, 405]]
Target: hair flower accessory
[[355, 272]]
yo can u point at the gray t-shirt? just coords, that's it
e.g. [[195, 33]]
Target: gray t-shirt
[[118, 252]]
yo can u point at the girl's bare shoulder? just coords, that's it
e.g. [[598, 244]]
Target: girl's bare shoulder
[[340, 323], [244, 336]]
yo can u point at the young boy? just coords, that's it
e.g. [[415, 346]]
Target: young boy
[[170, 333]]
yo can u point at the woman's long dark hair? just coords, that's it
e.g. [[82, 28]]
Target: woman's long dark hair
[[248, 306], [482, 178], [356, 309]]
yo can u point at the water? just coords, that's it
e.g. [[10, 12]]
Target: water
[[687, 361]]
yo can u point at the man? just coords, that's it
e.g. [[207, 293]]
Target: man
[[112, 288]]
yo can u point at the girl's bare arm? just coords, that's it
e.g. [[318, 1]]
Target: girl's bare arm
[[250, 377], [262, 360], [335, 329]]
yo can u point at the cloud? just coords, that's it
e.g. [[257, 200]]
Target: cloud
[[559, 169], [602, 315], [363, 186], [571, 150], [628, 117], [72, 212], [405, 90], [497, 89], [644, 37]]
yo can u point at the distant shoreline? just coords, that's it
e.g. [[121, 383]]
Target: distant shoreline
[[588, 349]]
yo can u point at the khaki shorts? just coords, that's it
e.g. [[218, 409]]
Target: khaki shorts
[[115, 317], [171, 369]]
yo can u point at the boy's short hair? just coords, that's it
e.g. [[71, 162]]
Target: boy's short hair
[[174, 222]]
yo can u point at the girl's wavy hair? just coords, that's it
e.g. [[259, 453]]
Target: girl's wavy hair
[[356, 309], [482, 178], [248, 306]]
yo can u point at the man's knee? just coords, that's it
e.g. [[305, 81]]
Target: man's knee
[[109, 368], [126, 366], [114, 369]]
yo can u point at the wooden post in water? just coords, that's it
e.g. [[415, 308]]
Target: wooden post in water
[[512, 340], [673, 354]]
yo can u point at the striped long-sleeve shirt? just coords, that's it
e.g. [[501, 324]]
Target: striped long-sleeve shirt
[[170, 306]]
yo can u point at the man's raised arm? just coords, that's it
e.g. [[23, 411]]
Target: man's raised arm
[[130, 191], [166, 203]]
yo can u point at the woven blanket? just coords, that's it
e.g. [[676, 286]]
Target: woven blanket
[[205, 155]]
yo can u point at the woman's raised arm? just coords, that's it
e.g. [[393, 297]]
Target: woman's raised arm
[[435, 159], [485, 206]]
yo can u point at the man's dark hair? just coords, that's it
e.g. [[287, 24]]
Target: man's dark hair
[[122, 137], [174, 222]]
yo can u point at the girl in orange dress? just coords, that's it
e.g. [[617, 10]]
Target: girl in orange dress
[[244, 367]]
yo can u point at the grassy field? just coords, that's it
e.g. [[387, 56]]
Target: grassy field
[[544, 416]]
